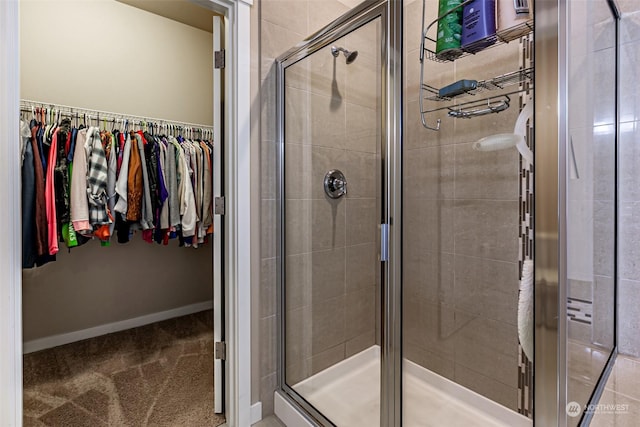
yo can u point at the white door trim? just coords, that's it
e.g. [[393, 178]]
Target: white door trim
[[238, 249], [10, 243]]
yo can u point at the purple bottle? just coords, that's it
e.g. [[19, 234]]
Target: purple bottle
[[478, 25]]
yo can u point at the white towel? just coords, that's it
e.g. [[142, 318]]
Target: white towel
[[525, 309]]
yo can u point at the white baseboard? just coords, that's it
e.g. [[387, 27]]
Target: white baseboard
[[96, 331], [256, 412]]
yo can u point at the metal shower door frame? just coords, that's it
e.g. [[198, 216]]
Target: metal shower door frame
[[390, 13]]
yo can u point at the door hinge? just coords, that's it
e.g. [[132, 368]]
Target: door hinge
[[219, 206], [220, 350], [218, 59], [384, 242]]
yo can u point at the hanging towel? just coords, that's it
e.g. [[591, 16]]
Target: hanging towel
[[525, 309]]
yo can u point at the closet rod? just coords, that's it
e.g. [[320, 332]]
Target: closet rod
[[26, 106]]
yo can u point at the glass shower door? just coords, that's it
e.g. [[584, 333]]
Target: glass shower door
[[591, 204], [332, 208], [466, 257]]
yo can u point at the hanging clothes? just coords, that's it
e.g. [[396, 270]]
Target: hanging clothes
[[85, 183], [50, 196], [29, 250], [61, 175], [79, 202], [134, 183], [112, 171], [96, 180], [41, 238]]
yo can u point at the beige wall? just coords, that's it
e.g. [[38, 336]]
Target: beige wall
[[109, 56], [461, 229], [106, 55]]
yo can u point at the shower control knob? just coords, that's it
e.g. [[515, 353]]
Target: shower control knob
[[335, 184]]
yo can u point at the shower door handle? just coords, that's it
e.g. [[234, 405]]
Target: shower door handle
[[384, 242]]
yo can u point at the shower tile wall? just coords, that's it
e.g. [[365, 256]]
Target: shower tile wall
[[590, 188], [332, 122], [283, 24], [629, 182], [461, 230]]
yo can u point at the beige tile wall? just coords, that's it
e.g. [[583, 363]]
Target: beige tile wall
[[282, 24], [461, 230], [332, 122], [590, 193], [629, 229], [460, 270]]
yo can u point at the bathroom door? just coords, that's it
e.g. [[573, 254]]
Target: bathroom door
[[332, 204]]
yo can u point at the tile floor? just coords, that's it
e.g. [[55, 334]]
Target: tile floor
[[271, 421], [619, 405], [584, 366]]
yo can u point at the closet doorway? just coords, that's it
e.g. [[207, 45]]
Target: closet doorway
[[127, 334]]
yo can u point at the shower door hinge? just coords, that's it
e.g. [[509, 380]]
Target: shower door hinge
[[384, 242], [220, 350], [218, 59], [218, 206]]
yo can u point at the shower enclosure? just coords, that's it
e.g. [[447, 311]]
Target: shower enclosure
[[336, 198], [406, 254]]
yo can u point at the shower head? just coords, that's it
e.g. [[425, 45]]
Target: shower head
[[349, 55]]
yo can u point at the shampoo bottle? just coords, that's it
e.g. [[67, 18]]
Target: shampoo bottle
[[512, 18], [449, 30], [478, 25]]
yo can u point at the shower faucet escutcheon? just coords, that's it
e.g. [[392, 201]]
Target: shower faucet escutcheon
[[335, 184]]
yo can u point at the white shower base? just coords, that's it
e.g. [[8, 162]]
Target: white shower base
[[348, 394]]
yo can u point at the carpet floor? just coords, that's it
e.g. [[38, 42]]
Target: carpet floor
[[156, 375]]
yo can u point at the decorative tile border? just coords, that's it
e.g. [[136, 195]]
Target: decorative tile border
[[525, 366], [579, 310]]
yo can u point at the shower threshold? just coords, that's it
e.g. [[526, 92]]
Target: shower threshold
[[348, 394]]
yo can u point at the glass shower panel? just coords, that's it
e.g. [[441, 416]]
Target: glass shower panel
[[332, 211], [591, 199], [466, 245]]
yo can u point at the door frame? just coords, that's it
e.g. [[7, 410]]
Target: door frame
[[237, 221]]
